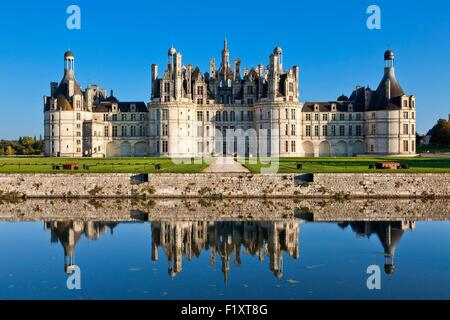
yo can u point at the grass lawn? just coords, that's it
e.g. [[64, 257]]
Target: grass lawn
[[122, 165], [349, 165]]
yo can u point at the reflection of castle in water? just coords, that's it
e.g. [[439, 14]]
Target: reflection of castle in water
[[226, 238], [68, 233], [389, 234]]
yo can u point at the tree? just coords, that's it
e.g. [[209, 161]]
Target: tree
[[440, 134], [10, 151]]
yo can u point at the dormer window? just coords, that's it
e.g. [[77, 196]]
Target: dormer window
[[350, 107], [316, 107], [114, 107], [133, 108], [333, 107]]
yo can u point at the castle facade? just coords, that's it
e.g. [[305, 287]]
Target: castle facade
[[227, 111]]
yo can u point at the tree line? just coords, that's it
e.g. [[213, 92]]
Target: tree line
[[440, 134], [25, 146]]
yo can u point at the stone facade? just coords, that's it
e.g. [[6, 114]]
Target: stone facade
[[252, 112], [227, 185]]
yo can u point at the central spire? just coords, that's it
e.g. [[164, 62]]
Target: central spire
[[225, 67]]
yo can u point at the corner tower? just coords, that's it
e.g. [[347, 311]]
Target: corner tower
[[390, 117]]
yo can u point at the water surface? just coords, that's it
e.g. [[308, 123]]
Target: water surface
[[188, 257]]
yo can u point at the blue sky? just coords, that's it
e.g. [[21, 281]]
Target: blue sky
[[119, 40]]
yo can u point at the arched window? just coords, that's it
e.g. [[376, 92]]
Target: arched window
[[218, 116], [225, 116], [232, 116]]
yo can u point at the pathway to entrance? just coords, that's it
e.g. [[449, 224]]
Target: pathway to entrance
[[225, 164]]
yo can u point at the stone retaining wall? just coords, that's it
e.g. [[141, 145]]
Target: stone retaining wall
[[226, 185], [226, 209]]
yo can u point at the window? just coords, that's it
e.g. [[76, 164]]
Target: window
[[350, 131], [405, 146], [200, 116], [413, 146], [333, 131], [291, 87], [373, 130], [124, 131], [250, 89], [250, 115], [124, 117], [324, 131], [78, 116], [225, 116], [308, 117], [165, 146], [218, 116], [166, 87], [165, 114], [249, 101], [333, 117], [133, 117], [358, 116], [114, 117], [106, 131], [232, 116], [374, 116], [342, 117], [405, 115], [142, 117], [350, 117], [412, 115], [199, 101], [308, 131], [200, 90], [78, 134], [293, 114], [293, 146], [293, 130], [114, 131], [78, 142], [165, 130], [325, 117], [358, 131], [316, 117], [141, 131], [372, 148], [286, 113], [207, 116], [405, 129], [286, 131], [287, 146], [413, 131], [316, 131], [133, 131], [341, 131], [105, 117]]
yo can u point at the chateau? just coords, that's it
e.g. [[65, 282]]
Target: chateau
[[227, 110]]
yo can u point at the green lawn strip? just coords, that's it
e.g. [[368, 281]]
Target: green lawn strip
[[348, 165], [433, 149], [123, 165]]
